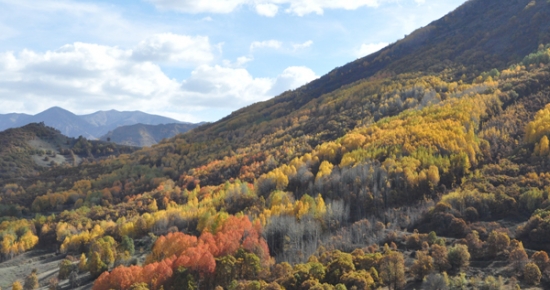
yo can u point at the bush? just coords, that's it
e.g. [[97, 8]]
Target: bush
[[459, 257], [532, 274]]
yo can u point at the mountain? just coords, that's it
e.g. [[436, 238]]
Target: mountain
[[105, 121], [8, 120], [142, 135], [66, 122], [32, 149], [90, 126], [424, 166]]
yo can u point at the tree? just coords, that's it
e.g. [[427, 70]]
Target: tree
[[82, 266], [439, 255], [422, 266], [53, 283], [435, 282], [459, 257], [392, 270], [16, 286], [31, 282], [74, 282], [541, 259], [518, 257], [497, 242], [65, 268], [96, 265], [544, 146], [532, 274], [127, 244]]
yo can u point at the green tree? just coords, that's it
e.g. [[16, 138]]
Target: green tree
[[127, 244], [96, 265]]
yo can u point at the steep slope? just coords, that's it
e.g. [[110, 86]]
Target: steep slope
[[477, 37], [29, 150], [142, 135]]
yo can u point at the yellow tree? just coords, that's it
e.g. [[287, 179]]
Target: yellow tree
[[392, 270]]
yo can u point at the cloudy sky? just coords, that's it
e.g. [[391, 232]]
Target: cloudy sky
[[193, 60]]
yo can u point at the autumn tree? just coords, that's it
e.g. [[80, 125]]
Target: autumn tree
[[16, 286], [82, 265], [65, 268], [31, 281], [497, 242], [518, 257], [422, 266], [440, 259], [541, 259], [392, 270], [459, 257], [532, 274], [95, 265]]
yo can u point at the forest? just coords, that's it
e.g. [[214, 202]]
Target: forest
[[431, 178]]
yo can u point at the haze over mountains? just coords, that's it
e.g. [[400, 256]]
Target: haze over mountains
[[91, 126]]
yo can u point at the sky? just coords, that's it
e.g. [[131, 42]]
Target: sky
[[192, 60]]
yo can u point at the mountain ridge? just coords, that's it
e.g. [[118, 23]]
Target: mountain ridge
[[91, 126]]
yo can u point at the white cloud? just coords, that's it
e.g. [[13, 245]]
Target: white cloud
[[267, 8], [84, 77], [303, 7], [217, 86], [176, 49], [292, 78], [368, 48], [222, 86], [302, 45], [199, 6], [275, 44]]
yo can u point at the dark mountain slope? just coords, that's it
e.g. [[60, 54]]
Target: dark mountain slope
[[478, 36]]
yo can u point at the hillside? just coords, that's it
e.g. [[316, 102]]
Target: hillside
[[90, 126], [142, 135], [35, 149], [422, 166]]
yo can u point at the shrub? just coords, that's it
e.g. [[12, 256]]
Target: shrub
[[459, 257], [532, 274]]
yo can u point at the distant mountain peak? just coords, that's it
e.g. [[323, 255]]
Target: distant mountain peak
[[91, 126]]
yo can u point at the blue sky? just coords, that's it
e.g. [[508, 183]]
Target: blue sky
[[193, 60]]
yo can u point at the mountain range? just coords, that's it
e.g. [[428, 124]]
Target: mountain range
[[91, 126]]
